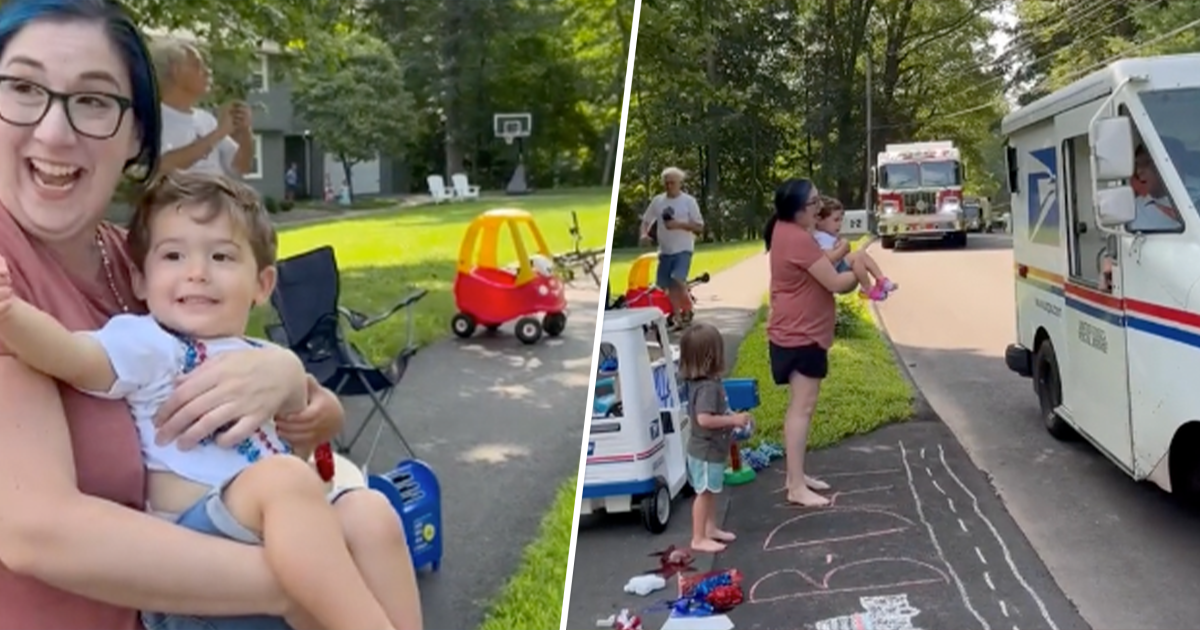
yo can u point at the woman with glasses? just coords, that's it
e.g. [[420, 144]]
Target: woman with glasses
[[801, 322], [79, 111]]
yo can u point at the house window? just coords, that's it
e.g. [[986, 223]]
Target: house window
[[259, 75], [255, 171]]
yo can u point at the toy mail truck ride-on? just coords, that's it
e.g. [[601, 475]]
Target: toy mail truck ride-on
[[636, 444], [1104, 177]]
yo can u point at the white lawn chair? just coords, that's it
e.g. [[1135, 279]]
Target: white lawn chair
[[463, 188], [438, 189]]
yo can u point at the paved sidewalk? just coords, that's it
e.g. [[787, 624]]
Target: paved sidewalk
[[613, 548]]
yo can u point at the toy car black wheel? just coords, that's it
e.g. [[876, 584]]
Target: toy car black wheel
[[656, 509], [529, 330], [554, 323], [463, 325]]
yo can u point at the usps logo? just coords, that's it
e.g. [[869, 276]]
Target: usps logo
[[662, 386], [591, 448], [655, 429]]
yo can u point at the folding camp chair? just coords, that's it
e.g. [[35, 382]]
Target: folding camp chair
[[306, 300]]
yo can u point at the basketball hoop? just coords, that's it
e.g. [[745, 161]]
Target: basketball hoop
[[508, 138]]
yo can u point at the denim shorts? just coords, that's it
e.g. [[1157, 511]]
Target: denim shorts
[[842, 266], [673, 267], [705, 476], [211, 516]]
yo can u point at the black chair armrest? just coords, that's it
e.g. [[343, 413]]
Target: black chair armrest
[[359, 321]]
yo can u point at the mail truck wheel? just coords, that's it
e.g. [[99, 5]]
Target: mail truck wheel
[[1048, 385], [656, 509]]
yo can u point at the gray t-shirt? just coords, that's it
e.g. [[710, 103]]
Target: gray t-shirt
[[681, 208], [710, 445]]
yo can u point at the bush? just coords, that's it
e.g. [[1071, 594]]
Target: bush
[[271, 203], [286, 205]]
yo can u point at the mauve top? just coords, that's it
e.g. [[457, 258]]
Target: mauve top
[[803, 311], [108, 461]]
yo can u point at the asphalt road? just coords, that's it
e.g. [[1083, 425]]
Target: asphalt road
[[1123, 552]]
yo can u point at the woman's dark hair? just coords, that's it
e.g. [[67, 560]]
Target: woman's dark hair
[[791, 197], [17, 14]]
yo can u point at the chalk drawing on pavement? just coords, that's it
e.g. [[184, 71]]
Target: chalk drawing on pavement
[[937, 545], [835, 498], [793, 584], [882, 612], [869, 523], [1041, 606]]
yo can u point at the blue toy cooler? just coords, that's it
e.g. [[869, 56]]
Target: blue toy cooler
[[742, 393], [414, 492]]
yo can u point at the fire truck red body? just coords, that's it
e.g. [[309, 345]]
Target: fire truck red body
[[919, 193]]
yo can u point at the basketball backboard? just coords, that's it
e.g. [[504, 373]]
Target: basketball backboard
[[512, 125]]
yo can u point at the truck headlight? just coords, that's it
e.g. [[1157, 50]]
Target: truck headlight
[[952, 205], [889, 207]]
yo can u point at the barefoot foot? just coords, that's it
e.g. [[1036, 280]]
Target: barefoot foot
[[815, 484], [807, 498], [707, 546], [721, 535]]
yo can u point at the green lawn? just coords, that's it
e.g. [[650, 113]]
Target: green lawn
[[384, 256], [865, 389], [533, 597], [710, 257]]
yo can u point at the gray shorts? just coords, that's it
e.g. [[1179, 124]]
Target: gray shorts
[[211, 516]]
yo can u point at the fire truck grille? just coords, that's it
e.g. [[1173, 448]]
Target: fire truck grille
[[921, 202]]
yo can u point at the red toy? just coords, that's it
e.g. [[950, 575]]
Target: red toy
[[641, 293], [489, 295]]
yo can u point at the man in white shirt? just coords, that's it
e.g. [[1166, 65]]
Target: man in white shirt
[[1155, 209], [194, 139], [674, 217]]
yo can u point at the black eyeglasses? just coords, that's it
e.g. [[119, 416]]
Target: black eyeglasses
[[96, 115]]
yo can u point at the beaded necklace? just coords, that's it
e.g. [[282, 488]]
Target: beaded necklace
[[195, 353]]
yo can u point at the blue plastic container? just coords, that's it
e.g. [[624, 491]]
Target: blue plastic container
[[414, 492], [742, 394]]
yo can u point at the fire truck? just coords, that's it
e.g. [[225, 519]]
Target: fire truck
[[919, 193]]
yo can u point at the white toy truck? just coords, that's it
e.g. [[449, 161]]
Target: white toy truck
[[919, 192], [638, 435], [1105, 180]]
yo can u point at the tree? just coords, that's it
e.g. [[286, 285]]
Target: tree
[[348, 89]]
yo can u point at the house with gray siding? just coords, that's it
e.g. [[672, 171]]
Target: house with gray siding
[[281, 138]]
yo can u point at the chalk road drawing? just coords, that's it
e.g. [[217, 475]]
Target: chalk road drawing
[[826, 586], [838, 494], [883, 612], [781, 471], [937, 546], [995, 534], [901, 524]]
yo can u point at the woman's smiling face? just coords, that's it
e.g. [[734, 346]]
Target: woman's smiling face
[[56, 182]]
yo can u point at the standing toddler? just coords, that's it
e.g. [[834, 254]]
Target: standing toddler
[[702, 365]]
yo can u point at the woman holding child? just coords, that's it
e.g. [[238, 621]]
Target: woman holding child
[[78, 548], [804, 279]]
